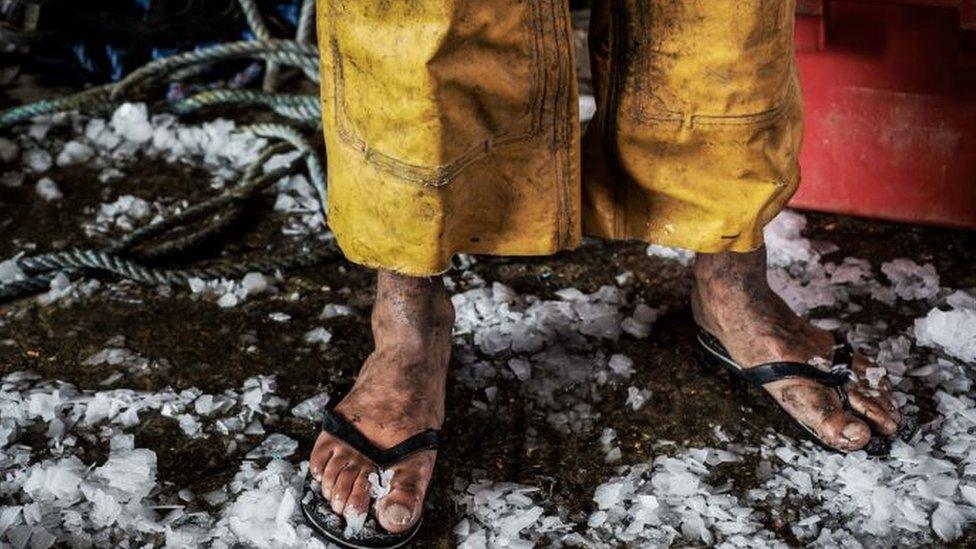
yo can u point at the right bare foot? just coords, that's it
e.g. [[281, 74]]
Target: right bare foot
[[399, 392]]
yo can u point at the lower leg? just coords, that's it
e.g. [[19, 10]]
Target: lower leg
[[411, 322], [398, 393]]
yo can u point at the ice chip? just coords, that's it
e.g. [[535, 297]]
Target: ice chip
[[380, 484], [521, 368], [105, 509], [947, 522], [637, 397], [354, 523], [334, 310], [874, 375], [48, 190], [622, 365], [911, 280], [228, 300], [10, 271], [311, 409], [953, 331], [74, 152], [318, 336], [132, 472], [37, 160], [55, 479], [254, 284], [276, 445], [679, 255], [131, 121], [608, 495]]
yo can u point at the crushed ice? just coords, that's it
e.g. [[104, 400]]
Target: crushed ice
[[550, 349]]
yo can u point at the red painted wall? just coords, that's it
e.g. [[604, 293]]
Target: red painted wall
[[890, 91]]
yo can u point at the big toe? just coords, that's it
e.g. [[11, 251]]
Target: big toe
[[844, 431], [398, 512], [883, 420]]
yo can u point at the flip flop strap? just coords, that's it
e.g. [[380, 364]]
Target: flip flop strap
[[338, 427], [838, 376], [775, 371]]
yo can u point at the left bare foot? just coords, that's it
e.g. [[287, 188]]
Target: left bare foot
[[732, 300]]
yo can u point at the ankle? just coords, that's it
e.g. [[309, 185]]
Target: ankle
[[410, 305], [731, 287], [731, 273], [700, 312]]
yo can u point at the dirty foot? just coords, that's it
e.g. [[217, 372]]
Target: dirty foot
[[732, 300], [399, 393]]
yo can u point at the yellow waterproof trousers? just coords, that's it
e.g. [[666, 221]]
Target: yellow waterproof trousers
[[451, 126]]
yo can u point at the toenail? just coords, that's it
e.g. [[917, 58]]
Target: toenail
[[852, 431], [398, 514]]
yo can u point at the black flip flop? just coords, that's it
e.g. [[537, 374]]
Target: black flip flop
[[713, 352], [332, 527]]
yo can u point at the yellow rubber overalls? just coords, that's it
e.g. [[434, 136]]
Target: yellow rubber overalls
[[452, 126]]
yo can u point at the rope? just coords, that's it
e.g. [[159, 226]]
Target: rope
[[31, 286], [301, 108], [256, 22], [315, 170], [86, 99], [106, 262], [306, 23], [176, 234], [44, 267], [102, 98], [285, 52], [253, 184]]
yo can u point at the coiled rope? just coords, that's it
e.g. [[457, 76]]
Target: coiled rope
[[128, 256]]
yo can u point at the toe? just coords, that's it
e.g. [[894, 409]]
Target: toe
[[399, 510], [358, 501], [883, 420], [820, 408], [320, 456], [330, 473], [343, 487], [842, 430]]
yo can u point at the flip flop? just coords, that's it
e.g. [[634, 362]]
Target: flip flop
[[318, 513], [712, 351]]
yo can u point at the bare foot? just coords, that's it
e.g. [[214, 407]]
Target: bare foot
[[732, 300], [399, 393]]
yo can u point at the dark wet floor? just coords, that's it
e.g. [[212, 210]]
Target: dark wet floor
[[197, 344]]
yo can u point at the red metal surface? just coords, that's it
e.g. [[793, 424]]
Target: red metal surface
[[890, 89]]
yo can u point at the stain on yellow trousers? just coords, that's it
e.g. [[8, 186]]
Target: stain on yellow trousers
[[451, 126]]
